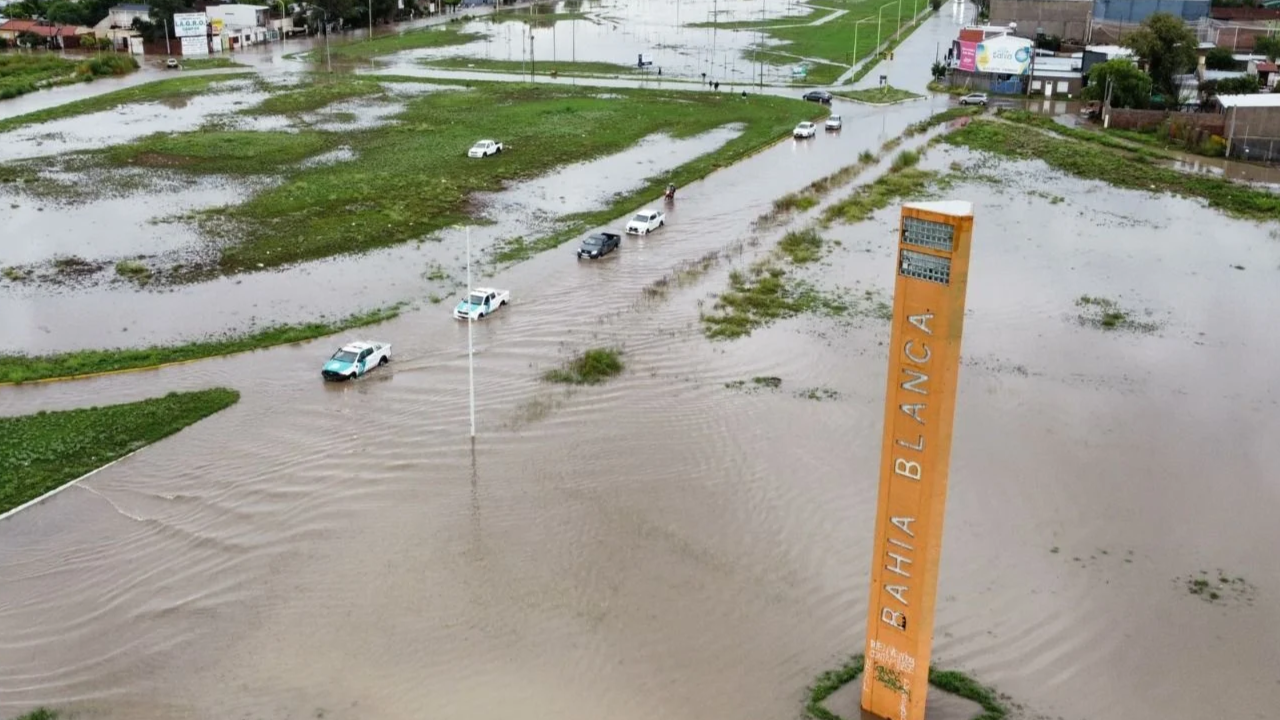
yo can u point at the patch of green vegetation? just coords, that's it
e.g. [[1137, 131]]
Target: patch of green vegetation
[[536, 19], [906, 183], [590, 368], [1106, 314], [756, 384], [683, 274], [837, 41], [878, 96], [172, 88], [818, 393], [29, 368], [954, 682], [41, 452], [1024, 117], [812, 193], [320, 92], [1117, 167], [429, 37], [558, 67], [810, 16], [239, 152], [905, 159], [945, 116], [133, 270], [761, 295], [13, 273], [40, 714], [209, 63], [801, 246], [22, 73]]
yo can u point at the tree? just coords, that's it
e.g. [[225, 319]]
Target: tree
[[1130, 87], [1269, 46], [1245, 85], [1168, 47], [1219, 59]]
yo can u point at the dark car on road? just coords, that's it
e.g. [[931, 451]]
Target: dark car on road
[[599, 245], [818, 96]]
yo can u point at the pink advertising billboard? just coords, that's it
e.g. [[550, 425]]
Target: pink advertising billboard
[[968, 56]]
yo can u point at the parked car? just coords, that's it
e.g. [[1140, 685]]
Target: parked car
[[974, 99], [481, 302], [646, 221], [834, 122], [485, 148], [355, 359], [818, 96], [171, 63], [599, 245], [804, 130]]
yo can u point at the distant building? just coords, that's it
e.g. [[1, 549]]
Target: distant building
[[1066, 19], [117, 26], [64, 37], [240, 25], [1252, 126]]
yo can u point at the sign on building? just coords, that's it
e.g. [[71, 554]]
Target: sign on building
[[1003, 55], [195, 46], [217, 26], [932, 262], [190, 25]]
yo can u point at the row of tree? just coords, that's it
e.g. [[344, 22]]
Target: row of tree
[[1169, 49]]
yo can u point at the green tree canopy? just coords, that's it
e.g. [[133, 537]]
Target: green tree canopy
[[1269, 46], [1130, 87], [1168, 47], [1219, 59]]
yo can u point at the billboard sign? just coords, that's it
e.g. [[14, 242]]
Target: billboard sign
[[195, 46], [968, 56], [190, 25], [1004, 55], [217, 26], [924, 361]]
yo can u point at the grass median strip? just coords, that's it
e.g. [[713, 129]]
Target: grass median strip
[[22, 73], [1119, 167], [30, 368], [42, 452], [590, 368], [878, 96], [173, 88]]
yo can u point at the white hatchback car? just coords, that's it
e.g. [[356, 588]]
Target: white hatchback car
[[804, 130]]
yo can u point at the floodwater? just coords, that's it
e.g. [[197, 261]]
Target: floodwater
[[108, 316], [665, 546]]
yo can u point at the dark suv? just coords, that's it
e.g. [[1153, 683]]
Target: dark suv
[[818, 96]]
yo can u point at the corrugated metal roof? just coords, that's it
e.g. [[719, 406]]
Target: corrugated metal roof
[[1261, 100]]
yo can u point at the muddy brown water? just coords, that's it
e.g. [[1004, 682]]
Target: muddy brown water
[[664, 546]]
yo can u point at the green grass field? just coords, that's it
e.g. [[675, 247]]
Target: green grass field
[[430, 37], [380, 197], [42, 452], [515, 67]]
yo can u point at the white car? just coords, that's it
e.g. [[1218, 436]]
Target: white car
[[834, 122], [480, 302], [646, 221], [355, 359], [485, 148], [804, 130]]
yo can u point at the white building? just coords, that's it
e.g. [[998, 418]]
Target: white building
[[240, 25]]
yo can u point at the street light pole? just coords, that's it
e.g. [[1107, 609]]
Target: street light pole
[[328, 61], [370, 19], [879, 22], [471, 362]]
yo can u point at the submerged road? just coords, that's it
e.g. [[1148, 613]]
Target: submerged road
[[341, 551]]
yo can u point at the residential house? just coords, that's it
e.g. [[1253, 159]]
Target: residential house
[[11, 29], [62, 37], [1252, 126], [117, 26]]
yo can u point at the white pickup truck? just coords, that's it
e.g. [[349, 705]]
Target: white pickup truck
[[485, 148], [480, 302], [646, 221]]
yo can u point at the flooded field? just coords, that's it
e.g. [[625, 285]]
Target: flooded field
[[666, 545], [102, 311]]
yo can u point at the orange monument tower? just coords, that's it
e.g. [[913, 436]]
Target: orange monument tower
[[924, 360]]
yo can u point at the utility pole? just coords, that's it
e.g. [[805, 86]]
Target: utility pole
[[328, 61], [167, 49], [533, 66], [370, 19]]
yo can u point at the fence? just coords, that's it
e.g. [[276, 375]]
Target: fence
[[1125, 119]]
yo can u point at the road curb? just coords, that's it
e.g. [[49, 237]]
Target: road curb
[[36, 501]]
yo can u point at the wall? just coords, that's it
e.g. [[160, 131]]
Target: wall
[[1135, 11], [1068, 19], [1123, 119], [1254, 133]]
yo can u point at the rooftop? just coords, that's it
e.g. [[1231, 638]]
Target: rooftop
[[1263, 100], [132, 7], [954, 208]]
